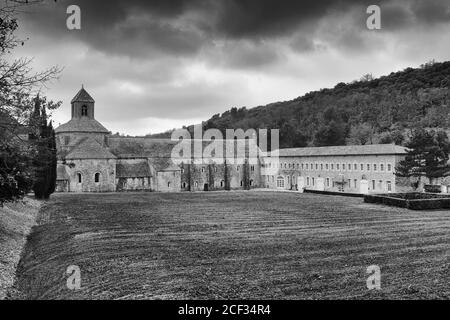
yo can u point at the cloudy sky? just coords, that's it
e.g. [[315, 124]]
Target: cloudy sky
[[153, 65]]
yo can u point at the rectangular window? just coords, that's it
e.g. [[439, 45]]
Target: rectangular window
[[327, 166], [328, 182], [337, 166], [389, 167], [321, 166], [362, 167], [389, 186], [381, 167], [307, 166], [355, 183], [375, 167], [355, 167], [332, 166], [313, 181], [307, 181], [368, 167], [373, 185], [349, 167]]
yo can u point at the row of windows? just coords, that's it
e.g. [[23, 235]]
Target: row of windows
[[96, 178], [334, 166], [311, 182], [252, 169], [221, 184]]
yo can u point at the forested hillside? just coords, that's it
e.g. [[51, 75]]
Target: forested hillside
[[362, 112]]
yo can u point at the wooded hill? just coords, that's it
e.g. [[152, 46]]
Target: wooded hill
[[367, 111]]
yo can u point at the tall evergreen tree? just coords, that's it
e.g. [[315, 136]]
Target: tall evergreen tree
[[45, 161], [428, 155]]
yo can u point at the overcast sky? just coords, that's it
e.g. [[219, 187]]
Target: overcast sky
[[156, 65]]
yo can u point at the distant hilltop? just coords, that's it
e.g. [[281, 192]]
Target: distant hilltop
[[366, 111]]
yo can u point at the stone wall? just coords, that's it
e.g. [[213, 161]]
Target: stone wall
[[169, 181], [88, 169], [344, 173], [213, 177]]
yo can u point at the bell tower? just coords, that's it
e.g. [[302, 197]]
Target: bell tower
[[82, 105]]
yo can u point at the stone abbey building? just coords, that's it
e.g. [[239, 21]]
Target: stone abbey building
[[91, 159]]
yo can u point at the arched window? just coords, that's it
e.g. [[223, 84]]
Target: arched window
[[184, 185], [196, 184], [222, 183], [168, 184], [97, 177], [84, 111], [79, 177], [280, 182]]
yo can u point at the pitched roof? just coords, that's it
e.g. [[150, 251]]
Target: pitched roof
[[136, 147], [373, 149], [132, 170], [125, 147], [83, 124], [172, 167], [82, 96], [90, 149]]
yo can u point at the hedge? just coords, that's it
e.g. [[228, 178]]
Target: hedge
[[410, 202]]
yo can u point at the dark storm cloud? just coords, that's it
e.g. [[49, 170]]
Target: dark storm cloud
[[189, 59], [149, 28], [431, 12]]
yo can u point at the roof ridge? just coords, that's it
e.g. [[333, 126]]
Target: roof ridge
[[82, 96]]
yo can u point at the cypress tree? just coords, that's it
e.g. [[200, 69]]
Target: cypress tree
[[45, 162]]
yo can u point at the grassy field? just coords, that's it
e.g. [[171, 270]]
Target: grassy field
[[234, 246]]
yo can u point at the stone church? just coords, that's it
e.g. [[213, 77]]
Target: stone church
[[91, 159]]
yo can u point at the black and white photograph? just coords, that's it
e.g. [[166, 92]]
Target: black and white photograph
[[224, 155]]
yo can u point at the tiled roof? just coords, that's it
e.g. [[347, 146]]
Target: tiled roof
[[374, 149], [160, 163], [124, 147], [82, 96], [140, 147], [90, 149], [83, 124], [132, 170], [61, 173], [172, 167]]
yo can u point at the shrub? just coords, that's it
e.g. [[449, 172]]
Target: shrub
[[432, 188]]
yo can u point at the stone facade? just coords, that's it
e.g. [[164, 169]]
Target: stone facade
[[93, 160], [351, 169]]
